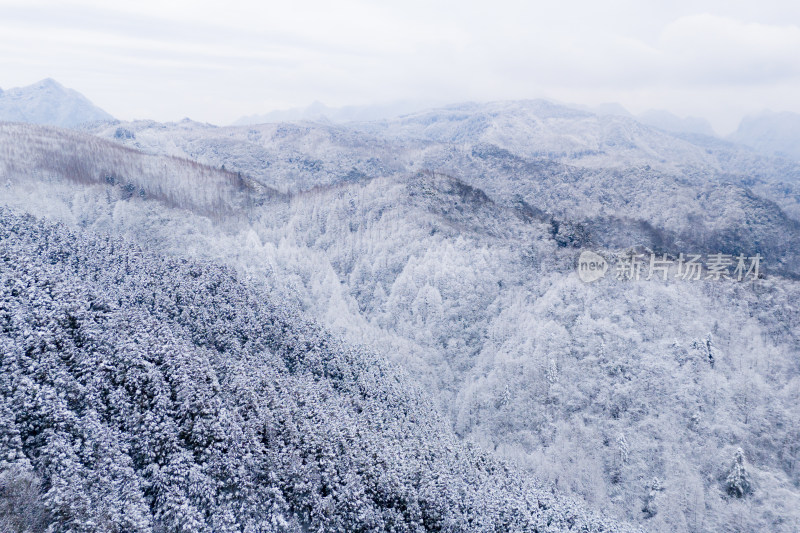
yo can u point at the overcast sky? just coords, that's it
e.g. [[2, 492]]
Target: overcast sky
[[217, 61]]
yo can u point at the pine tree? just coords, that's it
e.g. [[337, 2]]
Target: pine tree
[[738, 482], [650, 506]]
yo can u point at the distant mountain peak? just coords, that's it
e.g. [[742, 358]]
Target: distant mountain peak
[[667, 121], [48, 102], [48, 82], [771, 133]]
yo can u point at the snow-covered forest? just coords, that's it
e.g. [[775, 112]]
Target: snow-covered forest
[[143, 393], [379, 326]]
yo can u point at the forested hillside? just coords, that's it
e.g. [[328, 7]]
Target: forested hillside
[[81, 159], [609, 174], [140, 394], [671, 403]]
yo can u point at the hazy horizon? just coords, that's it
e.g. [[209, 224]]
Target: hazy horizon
[[712, 60]]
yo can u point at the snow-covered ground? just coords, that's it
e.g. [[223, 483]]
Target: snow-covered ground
[[446, 242]]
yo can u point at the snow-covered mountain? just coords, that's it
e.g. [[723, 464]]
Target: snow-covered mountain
[[214, 397], [455, 261], [172, 395], [656, 118], [546, 130], [771, 133], [570, 164], [445, 242], [48, 102], [309, 154]]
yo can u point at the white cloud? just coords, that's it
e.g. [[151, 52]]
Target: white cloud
[[718, 50], [215, 61]]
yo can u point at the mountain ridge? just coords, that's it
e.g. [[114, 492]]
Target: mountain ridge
[[773, 133], [455, 258], [48, 102]]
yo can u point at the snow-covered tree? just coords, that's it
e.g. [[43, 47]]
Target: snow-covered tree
[[737, 480]]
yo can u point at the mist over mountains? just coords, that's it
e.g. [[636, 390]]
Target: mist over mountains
[[771, 133], [48, 102], [668, 121], [377, 325], [319, 112]]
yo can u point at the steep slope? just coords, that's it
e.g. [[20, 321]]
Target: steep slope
[[294, 157], [184, 400], [598, 388], [80, 158], [602, 172], [48, 102], [290, 157]]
